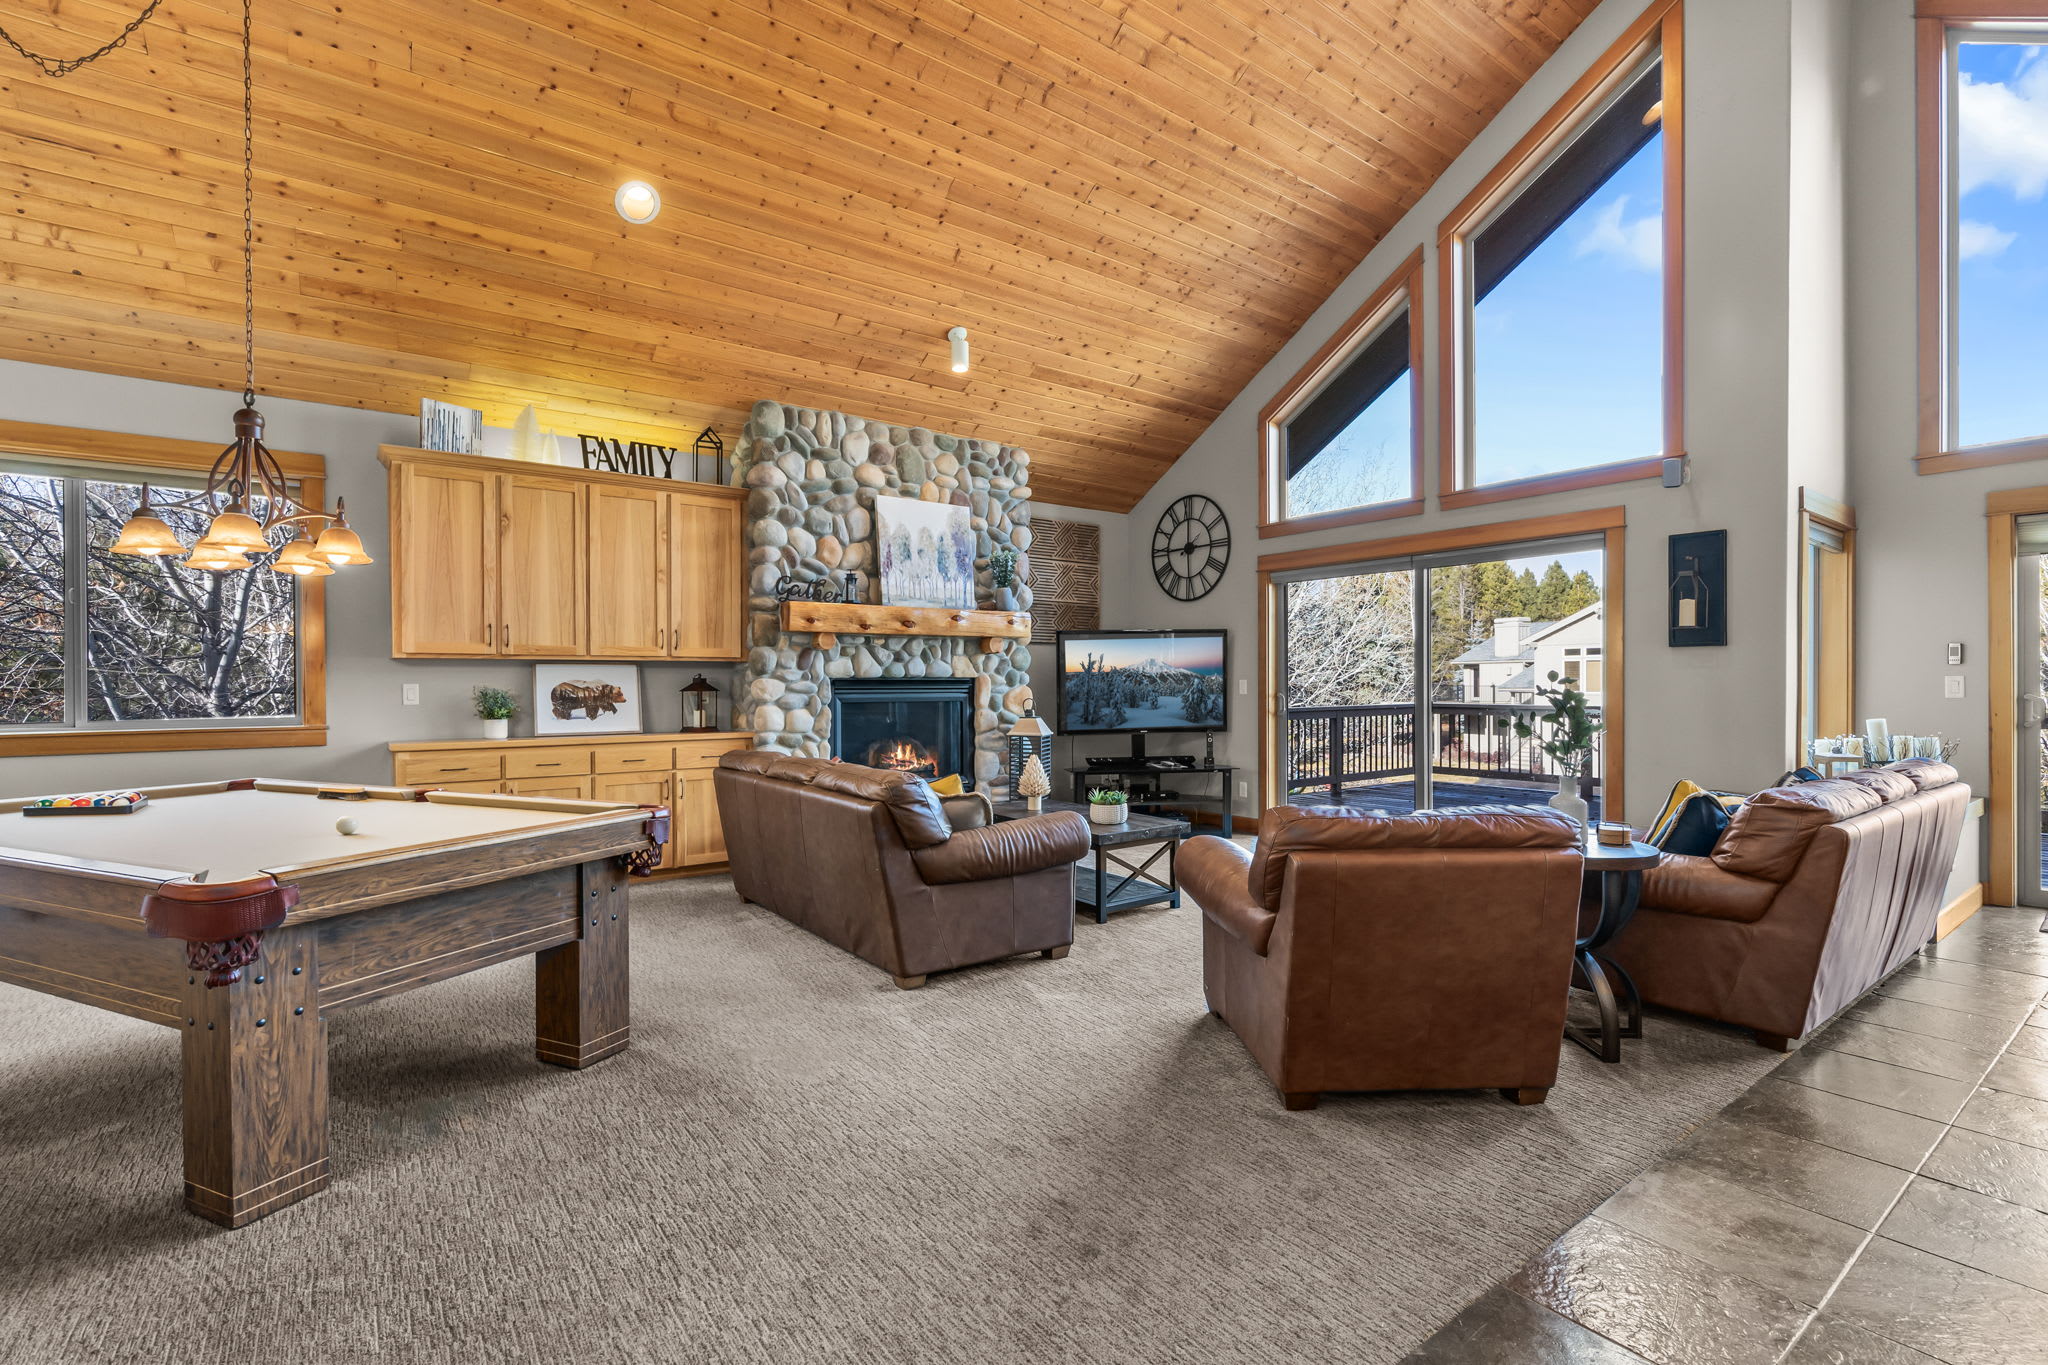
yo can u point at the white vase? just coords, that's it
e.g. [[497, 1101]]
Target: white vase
[[1569, 801], [501, 728], [1108, 813]]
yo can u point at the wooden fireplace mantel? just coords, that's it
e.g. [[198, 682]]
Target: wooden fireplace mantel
[[829, 620]]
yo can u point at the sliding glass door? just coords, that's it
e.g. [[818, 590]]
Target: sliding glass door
[[1404, 680]]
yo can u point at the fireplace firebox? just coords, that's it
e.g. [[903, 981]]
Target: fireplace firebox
[[918, 725]]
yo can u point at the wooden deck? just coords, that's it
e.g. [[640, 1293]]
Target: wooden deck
[[1397, 797]]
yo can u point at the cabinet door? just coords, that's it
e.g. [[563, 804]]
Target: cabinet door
[[570, 788], [642, 789], [542, 607], [700, 838], [444, 570], [628, 574], [706, 576]]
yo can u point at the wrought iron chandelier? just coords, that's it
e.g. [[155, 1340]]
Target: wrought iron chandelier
[[246, 470]]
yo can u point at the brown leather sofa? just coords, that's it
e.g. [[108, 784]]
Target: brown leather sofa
[[1430, 951], [1812, 895], [875, 863]]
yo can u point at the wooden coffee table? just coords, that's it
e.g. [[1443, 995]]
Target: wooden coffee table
[[1138, 885]]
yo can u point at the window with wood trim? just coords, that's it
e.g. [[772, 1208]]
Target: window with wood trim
[[1341, 441], [1562, 289], [105, 653], [1984, 237]]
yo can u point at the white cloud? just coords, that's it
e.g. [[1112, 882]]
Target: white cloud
[[1981, 239], [2002, 132], [1637, 242]]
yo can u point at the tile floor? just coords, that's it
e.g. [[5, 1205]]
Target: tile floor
[[1881, 1198]]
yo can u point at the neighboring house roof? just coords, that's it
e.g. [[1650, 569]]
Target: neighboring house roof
[[1485, 652], [1525, 681]]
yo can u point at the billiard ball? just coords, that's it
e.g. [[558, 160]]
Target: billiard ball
[[345, 825]]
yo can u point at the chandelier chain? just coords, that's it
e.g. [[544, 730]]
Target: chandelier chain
[[248, 210], [64, 66]]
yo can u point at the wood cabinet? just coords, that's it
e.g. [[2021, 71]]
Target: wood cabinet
[[528, 562], [443, 531], [629, 574], [646, 770], [542, 566]]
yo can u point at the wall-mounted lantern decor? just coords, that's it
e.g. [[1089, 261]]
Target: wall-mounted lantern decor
[[1699, 589]]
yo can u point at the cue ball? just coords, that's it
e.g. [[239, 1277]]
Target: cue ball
[[345, 825]]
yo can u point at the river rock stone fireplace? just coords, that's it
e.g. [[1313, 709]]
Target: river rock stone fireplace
[[813, 477]]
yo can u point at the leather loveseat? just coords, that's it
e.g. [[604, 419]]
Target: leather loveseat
[[873, 862], [1430, 951], [1811, 896]]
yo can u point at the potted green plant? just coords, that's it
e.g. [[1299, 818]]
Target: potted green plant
[[1566, 736], [1109, 805], [1002, 574], [495, 708]]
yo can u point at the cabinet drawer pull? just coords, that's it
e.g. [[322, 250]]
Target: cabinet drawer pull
[[632, 760], [454, 770], [490, 634], [547, 765]]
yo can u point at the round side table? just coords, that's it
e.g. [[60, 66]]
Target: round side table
[[1617, 869]]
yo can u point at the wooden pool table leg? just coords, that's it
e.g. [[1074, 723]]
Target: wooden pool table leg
[[582, 1012], [255, 1069]]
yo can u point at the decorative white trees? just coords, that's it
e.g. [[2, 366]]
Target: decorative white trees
[[1033, 785]]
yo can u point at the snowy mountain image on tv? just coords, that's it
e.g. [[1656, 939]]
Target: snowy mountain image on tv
[[1142, 682]]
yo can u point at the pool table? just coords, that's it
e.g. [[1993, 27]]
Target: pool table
[[239, 914]]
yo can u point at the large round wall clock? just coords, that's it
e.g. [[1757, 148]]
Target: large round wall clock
[[1191, 548]]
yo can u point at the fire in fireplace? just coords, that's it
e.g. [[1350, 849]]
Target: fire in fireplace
[[915, 725], [902, 754]]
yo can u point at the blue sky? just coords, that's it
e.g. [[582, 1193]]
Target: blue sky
[[1194, 653], [1568, 350], [2002, 241]]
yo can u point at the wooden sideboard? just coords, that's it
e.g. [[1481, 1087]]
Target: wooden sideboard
[[492, 558], [650, 770]]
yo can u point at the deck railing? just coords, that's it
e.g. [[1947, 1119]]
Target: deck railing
[[1329, 747]]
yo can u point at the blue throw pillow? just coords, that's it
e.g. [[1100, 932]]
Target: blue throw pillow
[[1696, 827]]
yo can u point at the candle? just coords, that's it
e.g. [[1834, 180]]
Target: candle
[[1688, 613]]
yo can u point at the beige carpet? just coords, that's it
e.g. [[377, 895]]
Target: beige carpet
[[1036, 1161]]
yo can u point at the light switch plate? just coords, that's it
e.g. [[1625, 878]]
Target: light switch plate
[[1955, 652], [409, 694], [1952, 685], [1244, 686], [1244, 789]]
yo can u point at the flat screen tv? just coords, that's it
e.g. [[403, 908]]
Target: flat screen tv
[[1116, 682]]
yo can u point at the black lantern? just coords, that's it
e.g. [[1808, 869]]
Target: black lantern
[[708, 447], [700, 706], [1028, 737]]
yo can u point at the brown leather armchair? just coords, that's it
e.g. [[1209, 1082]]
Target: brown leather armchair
[[1813, 894], [1430, 951], [875, 863]]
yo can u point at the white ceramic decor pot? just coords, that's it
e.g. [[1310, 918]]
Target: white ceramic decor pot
[[1106, 813], [501, 728], [1568, 799]]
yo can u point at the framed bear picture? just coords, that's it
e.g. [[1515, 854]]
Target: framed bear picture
[[586, 699]]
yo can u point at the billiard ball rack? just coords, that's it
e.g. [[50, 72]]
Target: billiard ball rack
[[89, 803]]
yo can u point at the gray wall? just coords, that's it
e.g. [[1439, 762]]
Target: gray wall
[[1920, 539], [1721, 716], [363, 682]]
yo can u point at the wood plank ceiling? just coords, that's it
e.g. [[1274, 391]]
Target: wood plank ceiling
[[1130, 204]]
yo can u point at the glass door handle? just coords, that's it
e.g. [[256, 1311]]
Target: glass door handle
[[2033, 710]]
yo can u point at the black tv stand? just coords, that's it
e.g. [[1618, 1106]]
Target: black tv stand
[[1139, 766]]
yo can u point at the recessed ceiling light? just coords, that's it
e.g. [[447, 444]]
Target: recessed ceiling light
[[637, 202], [958, 337]]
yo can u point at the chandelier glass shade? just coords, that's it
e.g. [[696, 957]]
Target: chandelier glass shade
[[244, 476]]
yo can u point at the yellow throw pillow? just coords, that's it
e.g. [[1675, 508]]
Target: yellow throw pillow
[[948, 785]]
